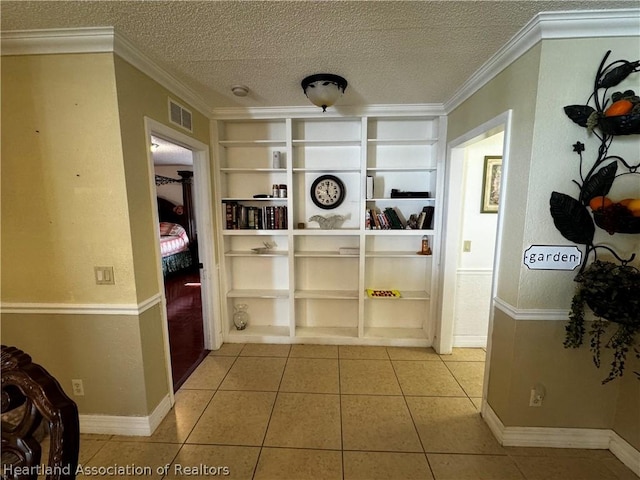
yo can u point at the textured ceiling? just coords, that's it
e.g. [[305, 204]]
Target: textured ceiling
[[390, 52]]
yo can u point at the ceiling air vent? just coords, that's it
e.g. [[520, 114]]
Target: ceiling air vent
[[180, 115]]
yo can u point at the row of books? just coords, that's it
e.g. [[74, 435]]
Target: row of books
[[242, 217], [392, 219]]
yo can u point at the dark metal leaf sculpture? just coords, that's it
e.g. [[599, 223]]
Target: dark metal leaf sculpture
[[618, 74], [572, 219], [579, 113], [599, 183]]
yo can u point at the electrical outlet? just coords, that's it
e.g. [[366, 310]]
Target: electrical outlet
[[466, 246], [535, 398], [78, 387]]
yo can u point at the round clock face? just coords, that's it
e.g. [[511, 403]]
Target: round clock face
[[327, 191]]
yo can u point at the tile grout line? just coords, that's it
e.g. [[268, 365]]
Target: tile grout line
[[413, 421], [273, 407], [215, 390], [341, 419]]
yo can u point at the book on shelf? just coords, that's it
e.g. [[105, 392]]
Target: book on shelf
[[391, 218], [394, 219], [245, 217], [388, 219], [376, 293], [428, 217]]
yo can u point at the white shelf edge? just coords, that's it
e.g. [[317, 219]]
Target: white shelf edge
[[399, 232], [321, 254], [260, 331], [251, 199], [314, 170], [391, 254], [319, 232], [251, 143], [402, 169], [400, 199], [395, 333], [249, 253], [326, 332], [404, 295], [402, 141], [326, 294], [251, 232], [326, 143], [252, 170], [258, 293]]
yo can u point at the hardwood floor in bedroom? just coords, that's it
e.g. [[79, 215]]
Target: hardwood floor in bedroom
[[184, 315]]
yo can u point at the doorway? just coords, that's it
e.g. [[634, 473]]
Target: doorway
[[476, 245], [190, 292], [173, 169], [453, 242]]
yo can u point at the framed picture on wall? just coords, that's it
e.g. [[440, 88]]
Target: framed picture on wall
[[491, 184]]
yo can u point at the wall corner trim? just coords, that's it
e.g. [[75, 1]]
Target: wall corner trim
[[588, 438], [125, 425], [549, 26], [530, 314]]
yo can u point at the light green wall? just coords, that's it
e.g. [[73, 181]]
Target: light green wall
[[76, 194], [536, 87], [567, 72], [514, 88], [64, 205], [102, 350], [140, 96]]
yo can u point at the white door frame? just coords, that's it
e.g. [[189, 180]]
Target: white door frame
[[204, 220], [452, 229]]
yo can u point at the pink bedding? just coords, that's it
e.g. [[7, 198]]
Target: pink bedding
[[173, 239]]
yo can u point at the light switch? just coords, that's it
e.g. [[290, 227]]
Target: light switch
[[466, 246], [104, 275]]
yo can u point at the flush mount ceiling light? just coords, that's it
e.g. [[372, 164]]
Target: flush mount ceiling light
[[324, 89], [240, 90]]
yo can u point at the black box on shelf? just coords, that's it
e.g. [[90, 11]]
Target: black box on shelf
[[395, 193]]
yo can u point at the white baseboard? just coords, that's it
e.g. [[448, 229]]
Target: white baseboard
[[470, 341], [625, 452], [122, 425], [589, 438]]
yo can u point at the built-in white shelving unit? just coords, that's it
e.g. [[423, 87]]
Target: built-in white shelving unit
[[312, 285]]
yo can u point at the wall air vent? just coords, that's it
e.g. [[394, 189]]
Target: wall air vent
[[180, 115]]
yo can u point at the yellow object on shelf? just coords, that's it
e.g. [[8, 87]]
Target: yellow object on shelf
[[373, 293]]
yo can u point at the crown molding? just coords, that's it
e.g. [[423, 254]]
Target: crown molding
[[96, 40], [231, 113], [61, 40], [548, 26], [544, 26]]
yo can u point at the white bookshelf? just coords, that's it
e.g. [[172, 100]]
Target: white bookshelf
[[305, 289]]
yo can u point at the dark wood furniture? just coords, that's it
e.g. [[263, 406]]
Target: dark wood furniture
[[29, 391]]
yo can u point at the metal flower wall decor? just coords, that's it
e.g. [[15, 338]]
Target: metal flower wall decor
[[610, 290]]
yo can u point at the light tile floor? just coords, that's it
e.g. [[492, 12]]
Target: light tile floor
[[337, 412]]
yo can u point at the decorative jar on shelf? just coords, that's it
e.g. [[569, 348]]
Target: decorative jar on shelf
[[240, 316]]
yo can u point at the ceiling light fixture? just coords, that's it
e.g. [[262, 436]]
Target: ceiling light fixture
[[240, 90], [324, 89]]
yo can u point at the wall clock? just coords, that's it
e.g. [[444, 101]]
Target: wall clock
[[327, 191]]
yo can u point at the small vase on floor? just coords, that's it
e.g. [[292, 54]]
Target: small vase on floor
[[241, 316]]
